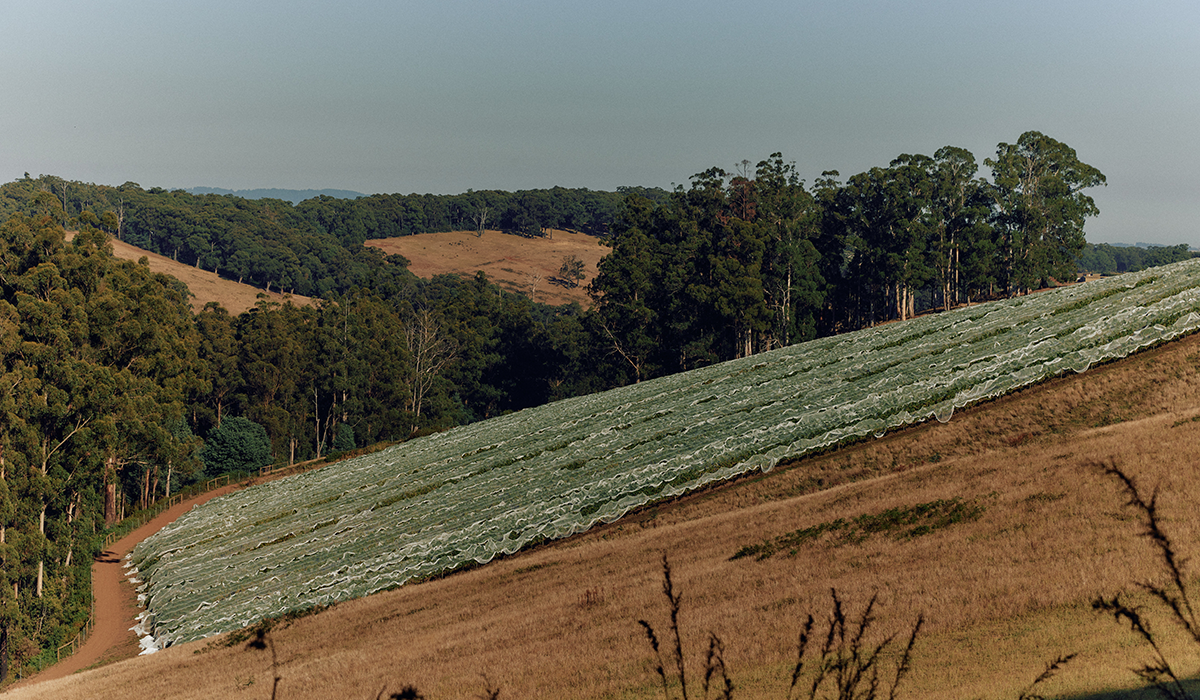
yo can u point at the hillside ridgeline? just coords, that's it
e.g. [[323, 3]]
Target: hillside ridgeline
[[205, 286]]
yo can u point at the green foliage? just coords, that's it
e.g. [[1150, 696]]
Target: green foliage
[[96, 360], [345, 438], [239, 444], [1040, 209], [1105, 259], [722, 270], [898, 523]]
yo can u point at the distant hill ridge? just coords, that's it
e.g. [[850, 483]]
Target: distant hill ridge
[[1144, 245], [293, 196]]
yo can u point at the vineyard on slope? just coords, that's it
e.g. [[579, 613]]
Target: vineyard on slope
[[472, 493]]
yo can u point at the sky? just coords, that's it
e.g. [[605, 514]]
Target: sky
[[394, 96]]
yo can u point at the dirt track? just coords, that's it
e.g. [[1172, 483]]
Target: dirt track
[[116, 601]]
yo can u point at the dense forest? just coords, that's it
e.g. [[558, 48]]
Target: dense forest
[[114, 393], [1105, 259]]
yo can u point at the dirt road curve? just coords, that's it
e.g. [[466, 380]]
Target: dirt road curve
[[116, 600]]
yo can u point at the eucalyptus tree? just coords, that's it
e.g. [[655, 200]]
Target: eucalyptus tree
[[380, 392], [881, 233], [1040, 208], [911, 223], [623, 289], [274, 362], [793, 287], [218, 365], [96, 358], [722, 269], [960, 212]]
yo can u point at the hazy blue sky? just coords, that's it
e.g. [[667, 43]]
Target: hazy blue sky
[[449, 95]]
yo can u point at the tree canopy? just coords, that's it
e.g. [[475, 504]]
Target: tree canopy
[[237, 445]]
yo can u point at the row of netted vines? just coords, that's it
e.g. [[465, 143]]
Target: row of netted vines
[[470, 494]]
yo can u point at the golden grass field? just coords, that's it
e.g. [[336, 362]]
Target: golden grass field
[[518, 264], [522, 265], [1002, 595], [204, 285]]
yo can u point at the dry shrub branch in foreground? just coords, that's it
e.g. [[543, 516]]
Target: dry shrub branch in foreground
[[1174, 597], [847, 666]]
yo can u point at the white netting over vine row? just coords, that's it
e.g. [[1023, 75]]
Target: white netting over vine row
[[469, 494]]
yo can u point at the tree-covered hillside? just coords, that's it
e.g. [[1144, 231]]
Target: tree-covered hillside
[[111, 386], [98, 362], [293, 196], [108, 378]]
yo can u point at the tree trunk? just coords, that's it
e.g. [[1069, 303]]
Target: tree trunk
[[110, 504], [787, 309], [2, 475], [3, 653], [317, 422], [110, 490], [41, 562]]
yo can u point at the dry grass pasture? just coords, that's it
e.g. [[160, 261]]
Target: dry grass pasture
[[1003, 594], [518, 264], [205, 286]]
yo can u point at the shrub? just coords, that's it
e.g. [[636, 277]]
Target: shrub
[[239, 444], [1174, 597], [345, 438]]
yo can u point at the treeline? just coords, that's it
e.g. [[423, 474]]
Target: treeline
[[528, 212], [313, 248], [1105, 259], [745, 262]]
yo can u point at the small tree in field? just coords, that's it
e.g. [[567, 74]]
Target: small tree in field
[[239, 444], [571, 271]]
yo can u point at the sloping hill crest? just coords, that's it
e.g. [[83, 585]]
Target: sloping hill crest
[[204, 285]]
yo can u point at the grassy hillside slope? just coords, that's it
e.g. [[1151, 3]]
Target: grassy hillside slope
[[523, 265], [205, 286], [465, 496], [1003, 593], [526, 265]]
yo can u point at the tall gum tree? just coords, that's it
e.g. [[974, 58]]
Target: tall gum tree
[[1040, 208], [622, 289], [792, 282], [960, 213]]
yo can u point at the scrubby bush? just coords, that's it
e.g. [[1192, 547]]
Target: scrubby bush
[[345, 438], [239, 444]]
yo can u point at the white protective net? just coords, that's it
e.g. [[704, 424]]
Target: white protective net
[[469, 494]]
